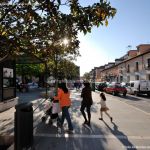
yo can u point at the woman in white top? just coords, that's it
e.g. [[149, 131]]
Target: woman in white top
[[104, 108]]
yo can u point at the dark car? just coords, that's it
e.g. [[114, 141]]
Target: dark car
[[101, 86], [116, 89]]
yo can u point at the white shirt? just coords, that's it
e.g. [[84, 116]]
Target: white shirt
[[103, 103]]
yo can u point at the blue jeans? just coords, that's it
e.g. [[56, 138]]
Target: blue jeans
[[66, 115]]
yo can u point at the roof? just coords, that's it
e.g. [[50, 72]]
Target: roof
[[25, 58]]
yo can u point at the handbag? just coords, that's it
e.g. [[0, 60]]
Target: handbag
[[56, 108]]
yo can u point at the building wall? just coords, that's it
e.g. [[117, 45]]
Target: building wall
[[145, 66], [122, 76], [143, 48], [120, 72], [132, 53]]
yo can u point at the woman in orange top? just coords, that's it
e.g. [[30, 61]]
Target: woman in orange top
[[65, 102]]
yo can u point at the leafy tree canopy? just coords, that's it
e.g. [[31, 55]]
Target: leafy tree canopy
[[39, 26], [86, 76], [29, 69]]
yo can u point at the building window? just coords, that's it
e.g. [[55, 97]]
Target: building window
[[137, 66], [148, 63], [117, 79], [128, 69], [137, 77], [121, 78], [132, 85]]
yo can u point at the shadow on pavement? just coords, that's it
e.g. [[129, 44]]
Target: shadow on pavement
[[49, 137], [130, 97], [120, 136], [135, 98]]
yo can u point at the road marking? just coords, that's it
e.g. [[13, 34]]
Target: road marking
[[92, 136], [135, 107]]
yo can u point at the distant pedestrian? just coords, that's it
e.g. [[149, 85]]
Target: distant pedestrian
[[64, 99], [104, 107], [87, 101]]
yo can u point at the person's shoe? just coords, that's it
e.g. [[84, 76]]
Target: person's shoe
[[111, 119], [100, 118], [88, 123], [69, 131]]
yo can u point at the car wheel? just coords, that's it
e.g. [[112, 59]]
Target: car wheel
[[135, 93], [148, 94], [114, 93], [124, 94]]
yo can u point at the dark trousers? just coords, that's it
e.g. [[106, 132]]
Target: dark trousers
[[88, 109]]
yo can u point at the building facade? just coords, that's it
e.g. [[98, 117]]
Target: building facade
[[135, 65]]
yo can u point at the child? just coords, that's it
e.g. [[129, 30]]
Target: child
[[104, 108]]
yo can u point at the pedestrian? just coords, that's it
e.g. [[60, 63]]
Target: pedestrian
[[104, 107], [87, 101], [64, 99]]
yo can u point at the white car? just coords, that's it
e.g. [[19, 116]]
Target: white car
[[139, 87]]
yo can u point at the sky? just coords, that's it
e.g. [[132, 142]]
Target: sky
[[130, 26]]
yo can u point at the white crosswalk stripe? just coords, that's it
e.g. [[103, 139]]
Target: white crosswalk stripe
[[92, 136]]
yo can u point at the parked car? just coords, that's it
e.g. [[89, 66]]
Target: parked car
[[100, 86], [115, 89], [138, 87]]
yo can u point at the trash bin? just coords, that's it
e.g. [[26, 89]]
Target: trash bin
[[23, 134]]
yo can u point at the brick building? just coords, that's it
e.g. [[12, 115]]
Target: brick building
[[135, 65]]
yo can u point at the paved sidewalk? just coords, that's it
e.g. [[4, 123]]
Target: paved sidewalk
[[130, 129], [7, 117]]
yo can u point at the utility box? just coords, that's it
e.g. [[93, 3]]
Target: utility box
[[23, 133]]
